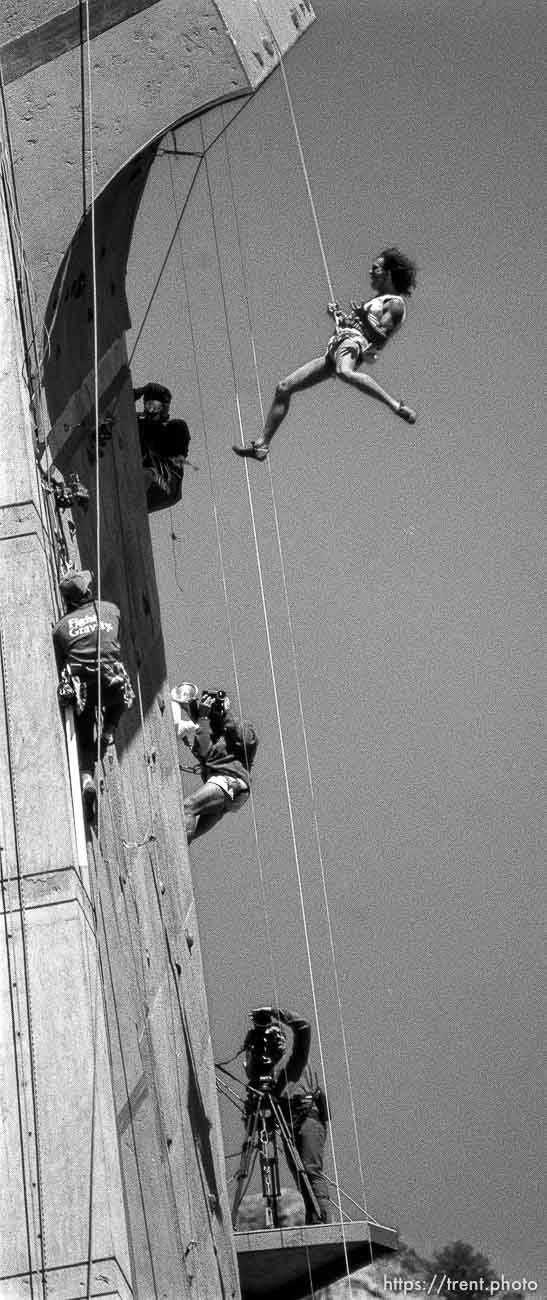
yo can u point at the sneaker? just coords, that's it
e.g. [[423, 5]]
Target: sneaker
[[89, 796], [406, 413], [253, 450]]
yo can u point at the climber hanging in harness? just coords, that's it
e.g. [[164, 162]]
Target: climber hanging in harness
[[225, 750], [164, 447], [358, 338], [86, 639]]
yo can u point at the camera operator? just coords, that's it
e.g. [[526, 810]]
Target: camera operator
[[304, 1107], [164, 447], [225, 749]]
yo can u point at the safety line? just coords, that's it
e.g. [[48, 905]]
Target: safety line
[[139, 969], [278, 537], [153, 859], [300, 150], [16, 1017], [159, 890], [90, 110], [318, 843], [296, 672], [41, 1269], [177, 153], [222, 570], [275, 693], [226, 597], [96, 904], [276, 997], [127, 1093], [174, 538], [23, 285], [94, 1040], [164, 263], [359, 1207]]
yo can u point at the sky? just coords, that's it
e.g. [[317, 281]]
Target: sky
[[413, 566]]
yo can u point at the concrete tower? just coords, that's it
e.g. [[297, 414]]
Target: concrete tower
[[112, 1174]]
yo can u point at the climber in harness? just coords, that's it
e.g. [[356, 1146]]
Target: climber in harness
[[358, 338], [225, 749], [85, 637], [164, 447]]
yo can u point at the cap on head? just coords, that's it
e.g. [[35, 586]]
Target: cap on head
[[156, 393], [76, 587]]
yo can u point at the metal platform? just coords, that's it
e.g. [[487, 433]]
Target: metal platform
[[289, 1262]]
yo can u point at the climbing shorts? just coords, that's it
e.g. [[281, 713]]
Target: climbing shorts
[[350, 342], [236, 791]]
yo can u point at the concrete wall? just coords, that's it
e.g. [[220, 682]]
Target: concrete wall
[[56, 1098], [152, 66]]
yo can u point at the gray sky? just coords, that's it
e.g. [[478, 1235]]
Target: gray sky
[[414, 568]]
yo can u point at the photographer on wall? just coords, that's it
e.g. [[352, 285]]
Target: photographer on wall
[[276, 1067], [225, 750]]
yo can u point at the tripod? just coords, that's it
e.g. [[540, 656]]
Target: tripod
[[265, 1124]]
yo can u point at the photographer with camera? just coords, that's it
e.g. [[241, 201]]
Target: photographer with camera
[[164, 447], [225, 749], [304, 1107]]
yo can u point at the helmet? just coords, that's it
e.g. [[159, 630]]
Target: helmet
[[76, 587]]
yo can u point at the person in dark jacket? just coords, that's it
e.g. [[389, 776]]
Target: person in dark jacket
[[164, 446], [225, 749], [304, 1106], [86, 637]]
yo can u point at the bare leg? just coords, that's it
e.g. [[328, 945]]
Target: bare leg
[[347, 371], [203, 810], [205, 823], [313, 372]]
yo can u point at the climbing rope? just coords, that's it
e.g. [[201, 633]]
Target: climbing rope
[[273, 675], [183, 154], [297, 678], [21, 1004], [217, 524], [219, 545], [95, 999], [128, 1105], [298, 139]]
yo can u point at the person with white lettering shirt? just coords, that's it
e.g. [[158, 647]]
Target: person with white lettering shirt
[[86, 639]]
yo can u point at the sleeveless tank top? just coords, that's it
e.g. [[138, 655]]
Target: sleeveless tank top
[[370, 314]]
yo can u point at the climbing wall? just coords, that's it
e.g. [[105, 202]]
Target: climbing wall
[[151, 66]]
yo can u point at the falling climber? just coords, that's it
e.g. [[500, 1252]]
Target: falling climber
[[358, 338]]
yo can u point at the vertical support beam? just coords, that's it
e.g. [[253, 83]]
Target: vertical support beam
[[59, 1155]]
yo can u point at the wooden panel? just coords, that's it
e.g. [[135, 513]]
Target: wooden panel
[[50, 39]]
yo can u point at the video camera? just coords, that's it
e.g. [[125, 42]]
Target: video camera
[[264, 1046], [212, 704], [187, 701]]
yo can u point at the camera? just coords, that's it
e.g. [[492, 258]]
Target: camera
[[212, 704], [264, 1046]]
